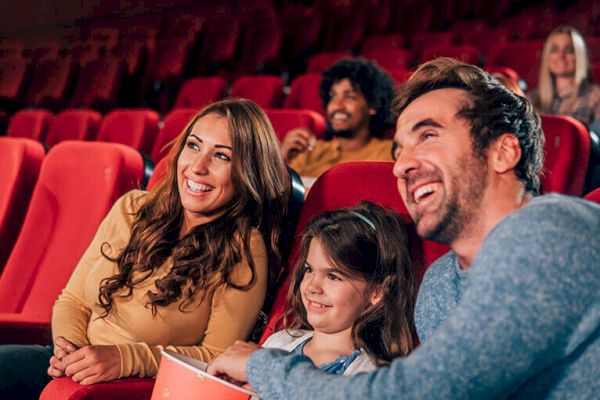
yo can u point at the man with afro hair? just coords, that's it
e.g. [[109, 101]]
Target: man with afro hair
[[356, 96]]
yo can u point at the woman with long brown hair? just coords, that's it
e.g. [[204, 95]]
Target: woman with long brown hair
[[185, 266]]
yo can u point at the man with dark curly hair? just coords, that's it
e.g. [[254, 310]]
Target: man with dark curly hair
[[356, 96]]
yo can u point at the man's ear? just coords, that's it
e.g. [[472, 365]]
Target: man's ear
[[376, 295], [506, 153]]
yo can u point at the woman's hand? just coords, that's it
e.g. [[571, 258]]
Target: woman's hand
[[232, 362], [93, 364], [62, 347]]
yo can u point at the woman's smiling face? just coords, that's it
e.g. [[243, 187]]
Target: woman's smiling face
[[204, 171]]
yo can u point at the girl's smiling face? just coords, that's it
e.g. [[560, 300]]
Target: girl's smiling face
[[333, 301]]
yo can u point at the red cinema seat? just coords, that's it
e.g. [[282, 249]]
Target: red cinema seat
[[594, 196], [422, 40], [32, 124], [465, 53], [567, 154], [285, 120], [159, 172], [137, 128], [99, 83], [50, 84], [382, 41], [75, 124], [168, 59], [320, 62], [593, 44], [371, 181], [304, 93], [266, 91], [20, 161], [173, 125], [220, 43], [596, 72], [390, 58], [400, 75], [11, 48], [77, 185], [511, 73], [261, 44], [199, 92], [523, 57], [13, 79]]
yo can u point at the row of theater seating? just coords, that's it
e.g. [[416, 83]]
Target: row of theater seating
[[137, 128], [568, 143], [67, 206], [112, 70]]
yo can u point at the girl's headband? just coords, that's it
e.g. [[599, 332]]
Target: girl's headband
[[365, 219]]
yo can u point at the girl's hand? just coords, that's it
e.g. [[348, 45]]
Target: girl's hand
[[232, 362], [93, 364]]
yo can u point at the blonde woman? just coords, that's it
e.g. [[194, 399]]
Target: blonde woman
[[565, 83]]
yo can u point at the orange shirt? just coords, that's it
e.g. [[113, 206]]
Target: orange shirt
[[210, 324]]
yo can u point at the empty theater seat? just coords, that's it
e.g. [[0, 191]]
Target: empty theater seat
[[199, 92], [32, 124], [75, 124], [285, 120], [134, 127], [567, 153], [20, 162], [304, 93], [266, 91], [77, 185]]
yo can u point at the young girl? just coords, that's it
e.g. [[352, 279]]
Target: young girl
[[351, 297]]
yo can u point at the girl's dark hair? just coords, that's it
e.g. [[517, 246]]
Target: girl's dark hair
[[378, 255], [206, 256]]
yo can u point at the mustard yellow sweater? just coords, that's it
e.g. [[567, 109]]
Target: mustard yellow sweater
[[205, 329], [327, 153]]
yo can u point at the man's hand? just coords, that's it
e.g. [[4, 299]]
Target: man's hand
[[233, 361], [62, 348], [297, 141], [93, 364]]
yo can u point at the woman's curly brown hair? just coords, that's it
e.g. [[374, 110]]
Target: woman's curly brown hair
[[206, 256]]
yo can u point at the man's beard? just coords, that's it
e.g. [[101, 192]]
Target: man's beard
[[462, 209], [340, 133]]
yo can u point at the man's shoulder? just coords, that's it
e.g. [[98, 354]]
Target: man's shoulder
[[565, 211]]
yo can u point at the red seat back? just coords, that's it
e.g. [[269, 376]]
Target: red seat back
[[320, 62], [32, 124], [465, 53], [285, 120], [137, 128], [567, 153], [51, 79], [13, 74], [98, 83], [594, 195], [173, 125], [523, 57], [400, 75], [199, 92], [159, 172], [304, 93], [73, 124], [266, 91], [390, 58], [369, 180], [20, 162], [78, 183], [383, 41]]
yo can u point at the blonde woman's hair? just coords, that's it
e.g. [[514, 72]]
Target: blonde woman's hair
[[582, 66]]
